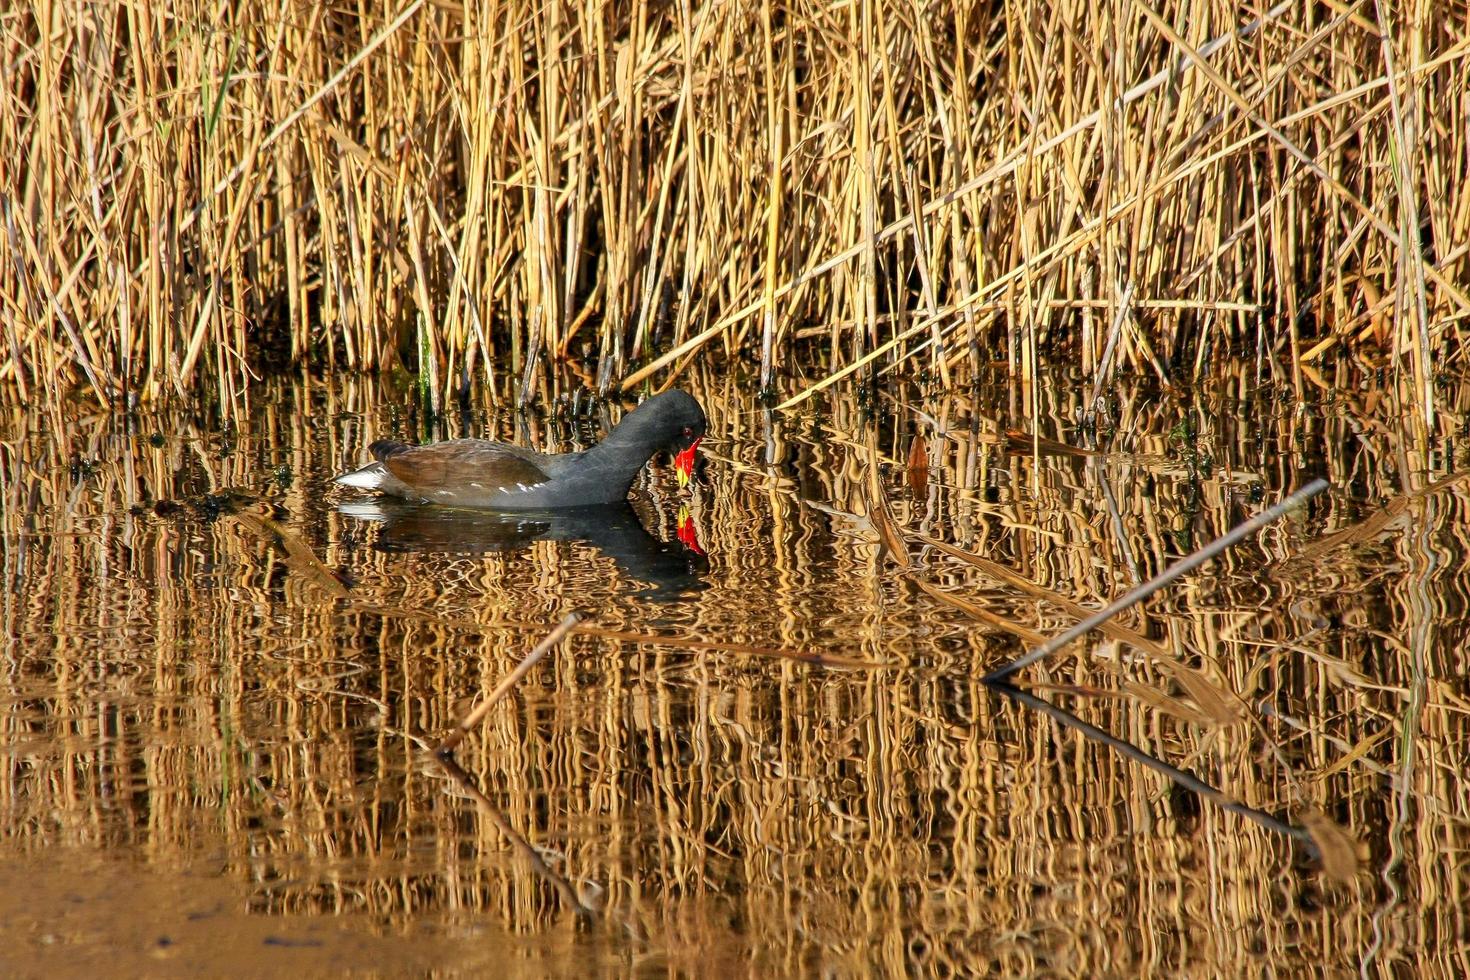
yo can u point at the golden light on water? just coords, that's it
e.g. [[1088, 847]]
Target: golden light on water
[[244, 696]]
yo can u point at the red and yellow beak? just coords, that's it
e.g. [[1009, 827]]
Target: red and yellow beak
[[684, 464]]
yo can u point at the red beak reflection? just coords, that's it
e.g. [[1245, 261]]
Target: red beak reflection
[[684, 465], [687, 531]]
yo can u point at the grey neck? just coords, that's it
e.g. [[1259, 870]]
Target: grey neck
[[619, 457]]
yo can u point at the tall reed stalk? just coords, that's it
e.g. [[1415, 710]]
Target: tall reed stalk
[[191, 193]]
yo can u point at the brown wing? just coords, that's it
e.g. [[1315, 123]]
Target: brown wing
[[459, 463]]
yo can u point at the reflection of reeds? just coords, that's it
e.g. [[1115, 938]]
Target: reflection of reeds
[[477, 715], [178, 691], [473, 190]]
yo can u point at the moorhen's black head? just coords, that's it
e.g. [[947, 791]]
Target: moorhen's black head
[[678, 414]]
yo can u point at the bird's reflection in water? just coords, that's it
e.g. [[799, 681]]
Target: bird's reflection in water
[[670, 569]]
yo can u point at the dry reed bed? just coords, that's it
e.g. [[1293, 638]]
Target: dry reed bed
[[472, 188], [175, 690]]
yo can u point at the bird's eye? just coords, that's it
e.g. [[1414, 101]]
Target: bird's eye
[[688, 431]]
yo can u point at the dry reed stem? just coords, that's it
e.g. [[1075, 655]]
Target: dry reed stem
[[472, 191]]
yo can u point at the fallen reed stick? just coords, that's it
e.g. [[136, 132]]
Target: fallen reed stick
[[451, 741], [1170, 574]]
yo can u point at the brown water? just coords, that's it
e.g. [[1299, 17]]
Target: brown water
[[217, 750]]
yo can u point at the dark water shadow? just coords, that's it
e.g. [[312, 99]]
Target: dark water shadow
[[1181, 778], [584, 908], [670, 568]]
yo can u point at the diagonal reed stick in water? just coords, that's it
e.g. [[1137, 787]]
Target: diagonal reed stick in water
[[451, 741], [1175, 571]]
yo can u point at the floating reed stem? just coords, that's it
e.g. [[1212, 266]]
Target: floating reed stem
[[1172, 573], [446, 748]]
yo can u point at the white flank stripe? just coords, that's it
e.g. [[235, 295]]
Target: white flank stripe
[[367, 478]]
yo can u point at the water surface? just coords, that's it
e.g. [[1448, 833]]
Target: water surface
[[217, 710]]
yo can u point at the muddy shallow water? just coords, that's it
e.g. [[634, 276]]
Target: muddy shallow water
[[767, 750]]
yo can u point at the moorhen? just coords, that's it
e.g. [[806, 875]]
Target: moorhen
[[479, 473]]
